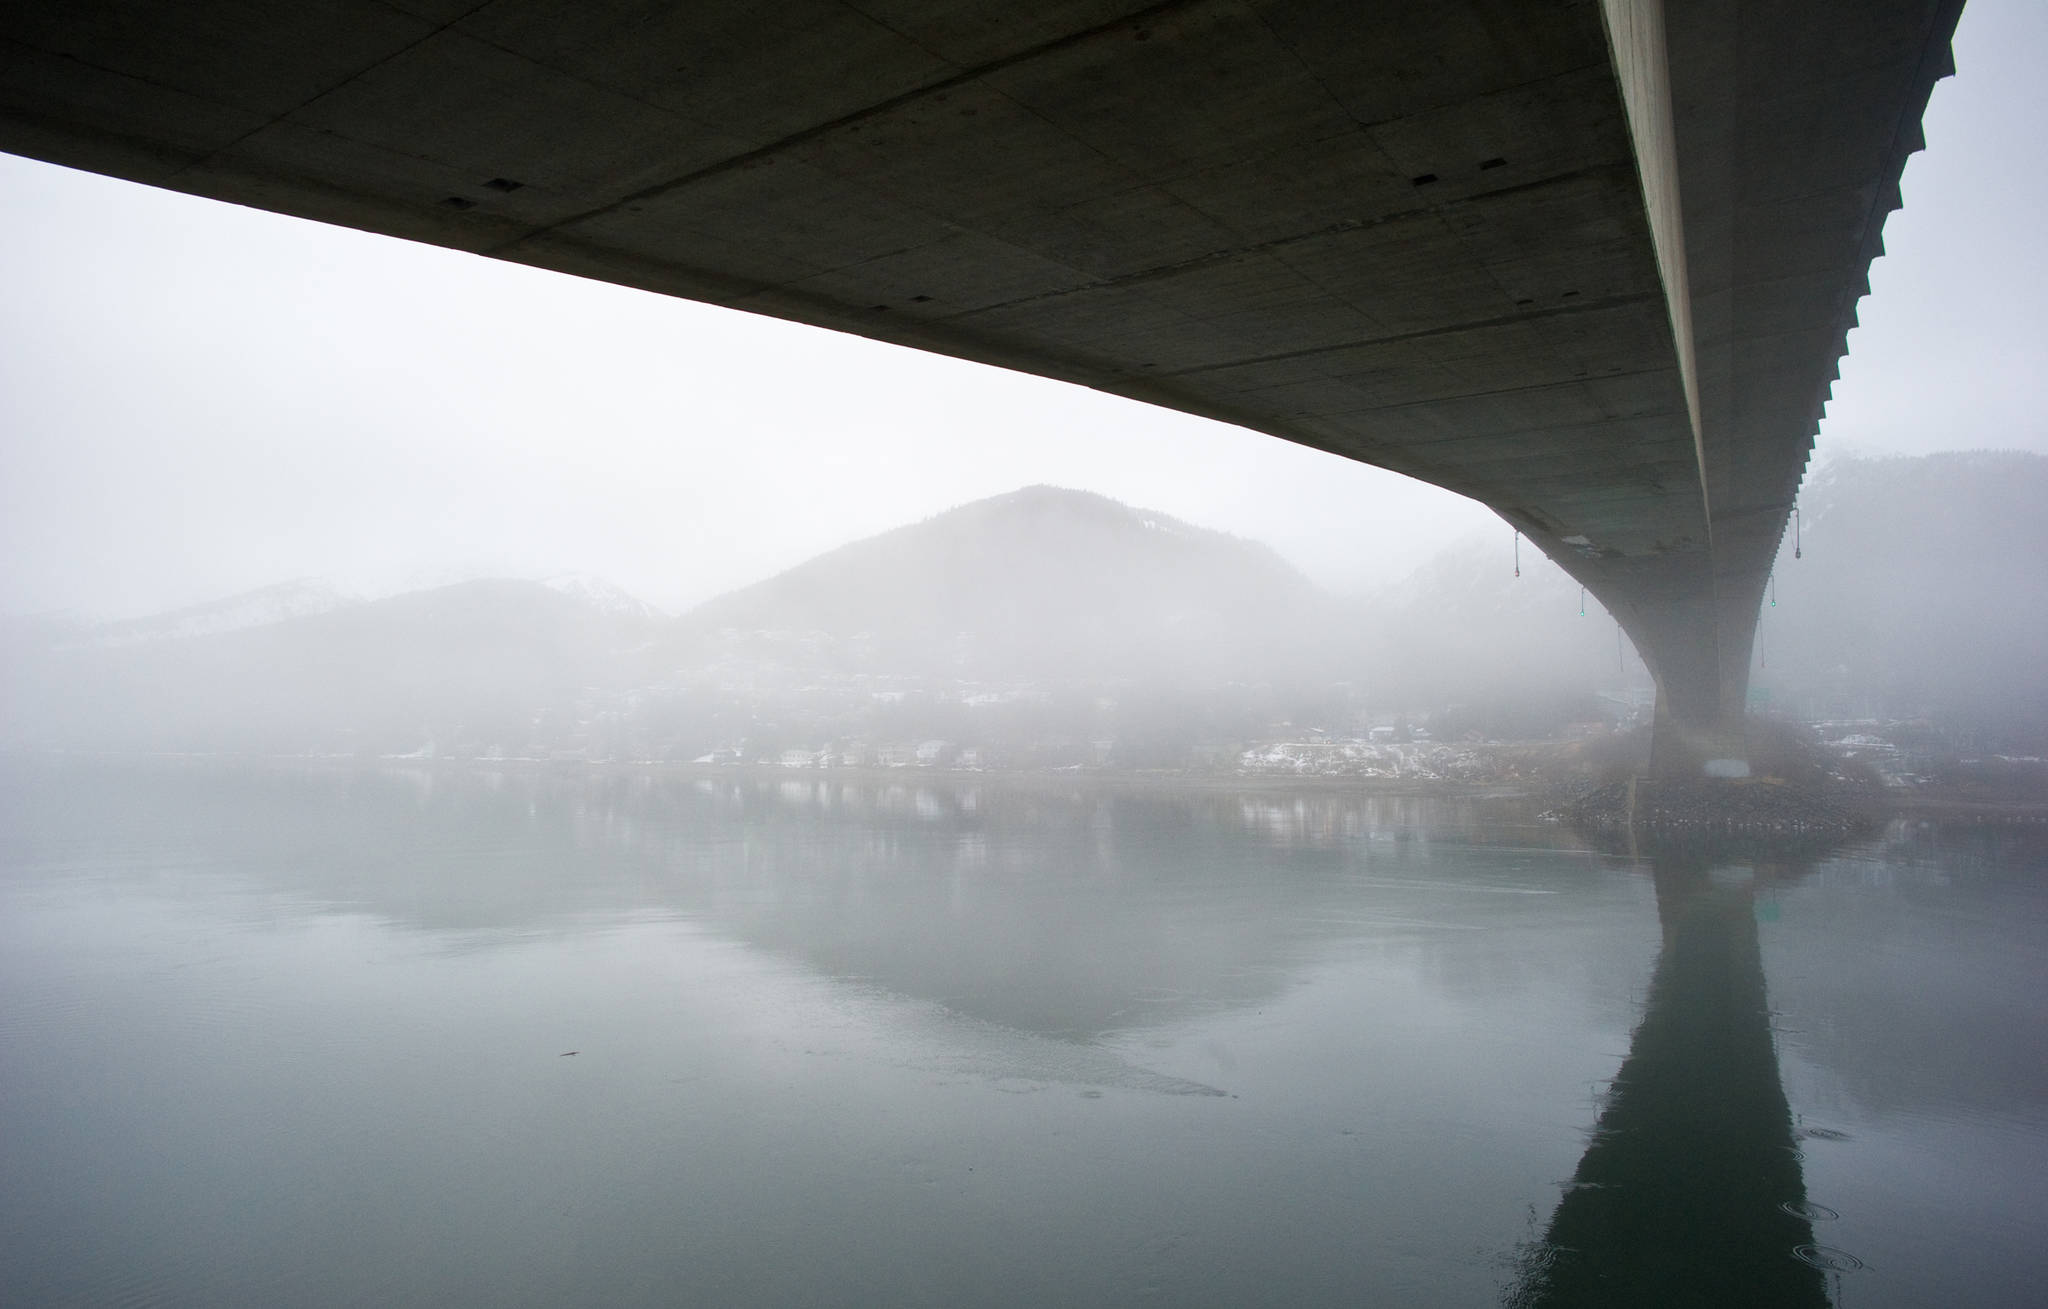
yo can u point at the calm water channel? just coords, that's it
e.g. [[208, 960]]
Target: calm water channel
[[277, 1035]]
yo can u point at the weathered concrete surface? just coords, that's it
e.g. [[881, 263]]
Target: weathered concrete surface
[[1506, 247]]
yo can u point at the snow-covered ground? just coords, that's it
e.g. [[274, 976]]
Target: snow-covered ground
[[1420, 760]]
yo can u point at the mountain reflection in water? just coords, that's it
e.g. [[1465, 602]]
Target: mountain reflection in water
[[295, 1034], [1061, 908]]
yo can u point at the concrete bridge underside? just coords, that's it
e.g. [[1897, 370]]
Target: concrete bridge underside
[[1590, 262]]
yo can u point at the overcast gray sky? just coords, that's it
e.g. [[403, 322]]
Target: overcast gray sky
[[197, 399]]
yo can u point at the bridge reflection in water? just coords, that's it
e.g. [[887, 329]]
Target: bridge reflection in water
[[1691, 1190]]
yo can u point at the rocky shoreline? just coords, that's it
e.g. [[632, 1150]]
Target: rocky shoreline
[[1717, 807]]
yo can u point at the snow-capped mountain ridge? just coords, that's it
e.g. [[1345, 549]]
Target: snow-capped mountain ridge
[[304, 597], [603, 595]]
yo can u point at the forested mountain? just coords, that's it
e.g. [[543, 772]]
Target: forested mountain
[[1922, 591], [1041, 584], [1048, 626], [1013, 618]]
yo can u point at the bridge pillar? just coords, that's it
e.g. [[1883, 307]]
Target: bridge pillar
[[1698, 649]]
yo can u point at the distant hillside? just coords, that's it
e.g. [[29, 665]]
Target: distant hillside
[[485, 661], [1048, 627], [1517, 651], [302, 598], [1039, 583], [1923, 590], [604, 596]]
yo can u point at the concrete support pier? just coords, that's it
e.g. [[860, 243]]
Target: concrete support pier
[[1698, 649]]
